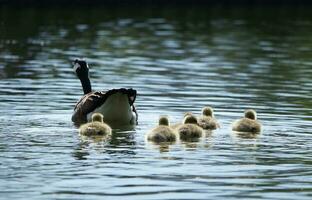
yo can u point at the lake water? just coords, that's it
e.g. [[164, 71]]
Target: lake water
[[178, 60]]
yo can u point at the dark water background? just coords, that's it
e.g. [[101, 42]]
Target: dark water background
[[179, 60]]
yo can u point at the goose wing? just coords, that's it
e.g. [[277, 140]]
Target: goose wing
[[89, 102]]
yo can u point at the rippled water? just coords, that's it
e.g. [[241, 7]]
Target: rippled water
[[179, 60]]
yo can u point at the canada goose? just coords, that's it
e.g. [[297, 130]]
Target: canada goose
[[207, 120], [247, 124], [96, 127], [117, 105], [189, 129], [162, 133]]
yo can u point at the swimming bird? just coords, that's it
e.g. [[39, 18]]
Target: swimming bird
[[247, 124], [162, 133], [96, 127], [189, 129], [117, 105], [207, 120]]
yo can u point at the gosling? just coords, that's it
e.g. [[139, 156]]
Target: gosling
[[96, 127], [189, 129], [247, 124], [207, 121], [163, 132]]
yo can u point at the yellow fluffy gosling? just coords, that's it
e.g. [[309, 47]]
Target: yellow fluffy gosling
[[163, 132], [247, 124], [207, 120], [96, 127], [189, 129]]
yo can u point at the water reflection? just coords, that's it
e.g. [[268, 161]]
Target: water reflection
[[120, 142], [162, 147], [246, 135]]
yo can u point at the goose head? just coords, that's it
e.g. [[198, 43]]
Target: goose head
[[251, 114], [207, 111], [97, 117], [81, 68], [190, 119], [163, 120]]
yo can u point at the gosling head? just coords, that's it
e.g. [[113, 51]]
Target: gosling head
[[81, 68], [187, 114], [163, 120], [97, 117], [190, 119], [251, 114], [207, 111]]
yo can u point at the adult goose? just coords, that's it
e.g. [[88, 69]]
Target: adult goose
[[117, 105]]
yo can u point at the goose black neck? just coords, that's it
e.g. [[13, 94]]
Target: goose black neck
[[86, 85]]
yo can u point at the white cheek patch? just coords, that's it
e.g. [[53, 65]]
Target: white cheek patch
[[131, 99], [76, 66]]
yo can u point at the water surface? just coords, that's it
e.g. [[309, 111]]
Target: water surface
[[179, 60]]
